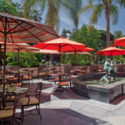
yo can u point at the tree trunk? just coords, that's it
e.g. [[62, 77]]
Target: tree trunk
[[92, 58], [52, 59], [0, 60], [107, 27]]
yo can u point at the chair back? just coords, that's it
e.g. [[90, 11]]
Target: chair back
[[39, 89], [21, 77], [31, 73], [6, 97]]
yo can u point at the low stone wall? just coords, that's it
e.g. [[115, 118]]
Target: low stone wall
[[65, 68], [106, 93]]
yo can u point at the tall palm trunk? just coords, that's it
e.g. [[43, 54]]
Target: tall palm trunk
[[107, 14], [51, 19]]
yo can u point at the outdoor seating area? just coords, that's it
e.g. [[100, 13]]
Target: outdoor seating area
[[50, 75]]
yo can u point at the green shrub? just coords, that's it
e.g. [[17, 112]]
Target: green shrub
[[95, 61], [29, 64], [57, 64], [87, 62], [12, 64]]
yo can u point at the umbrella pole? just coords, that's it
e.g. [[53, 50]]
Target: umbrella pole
[[0, 59], [60, 64], [48, 64], [111, 55], [75, 59], [18, 67], [4, 71]]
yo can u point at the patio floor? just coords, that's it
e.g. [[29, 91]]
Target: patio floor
[[71, 109]]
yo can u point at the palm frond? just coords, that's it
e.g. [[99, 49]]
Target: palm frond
[[114, 14], [72, 10], [97, 11], [122, 3], [87, 7], [28, 5], [43, 4]]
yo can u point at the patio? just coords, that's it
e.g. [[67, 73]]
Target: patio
[[71, 109]]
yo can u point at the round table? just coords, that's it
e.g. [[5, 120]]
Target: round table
[[17, 90]]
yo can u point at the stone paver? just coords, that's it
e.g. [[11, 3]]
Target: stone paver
[[57, 104], [117, 120]]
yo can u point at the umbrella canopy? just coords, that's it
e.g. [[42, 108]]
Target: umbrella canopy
[[84, 53], [86, 49], [111, 51], [46, 51], [61, 45], [119, 42], [20, 47], [21, 30], [14, 29]]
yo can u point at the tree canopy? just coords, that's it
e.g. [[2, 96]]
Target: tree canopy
[[8, 6]]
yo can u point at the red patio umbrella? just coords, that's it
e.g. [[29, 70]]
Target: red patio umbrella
[[111, 51], [61, 45], [14, 29], [19, 47], [119, 42], [87, 49]]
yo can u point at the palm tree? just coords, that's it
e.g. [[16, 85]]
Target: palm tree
[[18, 7], [111, 10], [35, 15], [54, 8]]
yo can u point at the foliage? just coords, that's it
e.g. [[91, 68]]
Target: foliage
[[117, 34], [72, 10], [119, 59], [7, 5], [89, 38], [25, 59], [35, 15], [110, 9], [102, 39], [57, 64], [21, 64]]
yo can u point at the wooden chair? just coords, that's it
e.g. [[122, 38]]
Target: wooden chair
[[7, 112], [32, 101]]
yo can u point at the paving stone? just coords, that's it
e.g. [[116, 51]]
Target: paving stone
[[94, 112], [77, 115], [76, 105], [48, 90], [69, 120], [117, 120], [83, 101], [103, 105], [54, 98], [55, 104]]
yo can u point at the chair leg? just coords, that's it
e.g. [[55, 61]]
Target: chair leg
[[13, 122], [22, 113], [2, 121], [39, 112]]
